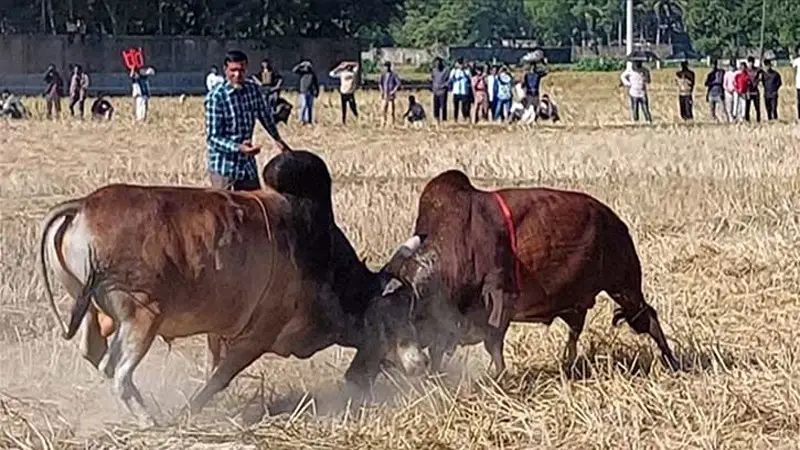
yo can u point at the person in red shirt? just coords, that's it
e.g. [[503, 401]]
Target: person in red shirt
[[741, 82]]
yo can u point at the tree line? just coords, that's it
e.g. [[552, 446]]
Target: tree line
[[714, 26]]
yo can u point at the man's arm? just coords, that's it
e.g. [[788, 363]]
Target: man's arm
[[396, 83], [215, 138]]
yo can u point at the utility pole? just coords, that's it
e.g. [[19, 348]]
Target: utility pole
[[763, 24], [629, 29]]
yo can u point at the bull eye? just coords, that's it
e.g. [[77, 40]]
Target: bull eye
[[404, 343]]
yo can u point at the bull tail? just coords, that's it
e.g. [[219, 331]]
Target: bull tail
[[82, 302], [68, 209]]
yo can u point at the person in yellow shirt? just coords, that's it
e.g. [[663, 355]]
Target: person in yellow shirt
[[347, 73]]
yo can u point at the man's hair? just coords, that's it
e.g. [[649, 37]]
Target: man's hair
[[412, 99], [5, 92], [235, 56], [751, 59]]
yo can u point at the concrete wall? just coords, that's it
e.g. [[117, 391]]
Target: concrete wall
[[399, 55], [181, 63]]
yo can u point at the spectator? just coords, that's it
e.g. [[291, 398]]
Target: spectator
[[140, 89], [755, 76], [53, 91], [480, 94], [772, 83], [389, 85], [439, 87], [102, 108], [309, 90], [532, 82], [271, 82], [213, 78], [491, 89], [415, 114], [636, 80], [730, 92], [685, 80], [503, 93], [460, 85], [230, 114], [11, 106], [741, 86], [715, 82], [547, 110], [347, 71], [78, 89], [796, 65]]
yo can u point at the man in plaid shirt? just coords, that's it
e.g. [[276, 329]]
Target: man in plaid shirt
[[232, 108]]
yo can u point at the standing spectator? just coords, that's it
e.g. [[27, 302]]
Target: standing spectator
[[755, 76], [491, 88], [772, 83], [460, 85], [78, 89], [230, 114], [53, 91], [213, 78], [480, 94], [389, 84], [503, 94], [532, 82], [346, 72], [309, 90], [636, 80], [715, 82], [685, 79], [741, 85], [730, 92], [140, 88], [796, 65], [439, 86], [271, 82]]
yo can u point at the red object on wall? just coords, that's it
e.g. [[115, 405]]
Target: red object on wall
[[133, 58]]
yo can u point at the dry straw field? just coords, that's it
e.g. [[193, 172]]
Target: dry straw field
[[712, 208]]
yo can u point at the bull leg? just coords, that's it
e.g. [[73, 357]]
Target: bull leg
[[575, 321], [642, 318], [92, 343], [362, 373], [131, 343], [216, 350], [441, 347], [239, 355]]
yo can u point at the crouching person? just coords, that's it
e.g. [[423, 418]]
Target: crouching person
[[11, 106], [415, 115], [547, 110]]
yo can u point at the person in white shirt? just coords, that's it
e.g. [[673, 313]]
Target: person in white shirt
[[213, 78], [796, 65], [730, 91], [347, 72], [636, 80], [460, 82]]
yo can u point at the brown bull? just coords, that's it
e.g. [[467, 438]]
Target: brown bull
[[177, 261], [486, 258]]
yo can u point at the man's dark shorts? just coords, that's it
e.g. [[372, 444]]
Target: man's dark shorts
[[220, 182]]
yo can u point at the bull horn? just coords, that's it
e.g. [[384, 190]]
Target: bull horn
[[401, 254]]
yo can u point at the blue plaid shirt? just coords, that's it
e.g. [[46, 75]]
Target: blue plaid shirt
[[230, 120]]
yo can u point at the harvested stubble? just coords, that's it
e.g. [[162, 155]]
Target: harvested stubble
[[712, 210]]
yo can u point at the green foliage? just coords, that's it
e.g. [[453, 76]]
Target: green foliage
[[370, 66], [599, 64]]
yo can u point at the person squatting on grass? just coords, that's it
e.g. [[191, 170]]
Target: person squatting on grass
[[231, 110], [636, 80]]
